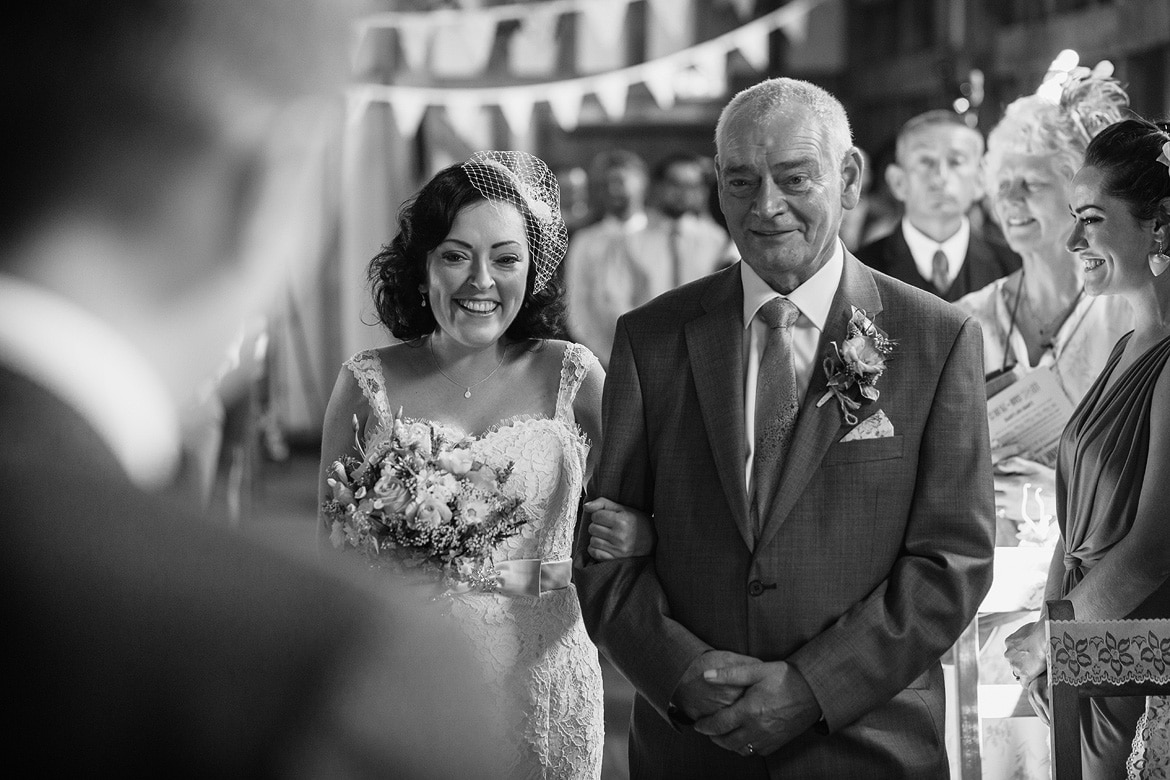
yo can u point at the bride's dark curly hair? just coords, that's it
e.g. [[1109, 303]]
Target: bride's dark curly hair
[[424, 221]]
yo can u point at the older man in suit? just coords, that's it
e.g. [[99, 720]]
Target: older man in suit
[[817, 548], [937, 179], [145, 212]]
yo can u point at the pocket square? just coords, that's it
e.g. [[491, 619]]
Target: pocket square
[[876, 426]]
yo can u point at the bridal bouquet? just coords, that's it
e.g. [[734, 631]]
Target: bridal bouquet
[[416, 497]]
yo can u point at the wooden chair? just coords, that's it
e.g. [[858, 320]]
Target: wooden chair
[[1098, 658]]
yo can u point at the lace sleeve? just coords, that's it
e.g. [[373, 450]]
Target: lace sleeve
[[577, 364], [367, 370]]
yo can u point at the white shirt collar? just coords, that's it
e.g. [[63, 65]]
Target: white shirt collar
[[91, 367], [923, 247], [631, 224], [813, 298]]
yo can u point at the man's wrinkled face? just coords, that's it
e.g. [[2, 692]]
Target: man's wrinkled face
[[783, 192]]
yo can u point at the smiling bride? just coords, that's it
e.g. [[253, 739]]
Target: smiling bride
[[468, 288]]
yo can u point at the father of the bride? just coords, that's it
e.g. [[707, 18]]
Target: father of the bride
[[809, 438]]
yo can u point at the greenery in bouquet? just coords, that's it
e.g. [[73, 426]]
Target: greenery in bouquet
[[415, 496]]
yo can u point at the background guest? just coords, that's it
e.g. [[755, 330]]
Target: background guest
[[936, 178], [1039, 316], [599, 280]]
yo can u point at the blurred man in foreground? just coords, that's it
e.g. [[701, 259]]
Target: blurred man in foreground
[[158, 158]]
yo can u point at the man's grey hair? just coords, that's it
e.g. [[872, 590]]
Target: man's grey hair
[[939, 117], [782, 94]]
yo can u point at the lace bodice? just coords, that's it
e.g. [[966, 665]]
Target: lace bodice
[[536, 654]]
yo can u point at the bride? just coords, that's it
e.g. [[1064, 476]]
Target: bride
[[467, 286]]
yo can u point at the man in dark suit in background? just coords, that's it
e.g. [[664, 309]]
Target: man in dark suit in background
[[816, 553], [156, 159], [936, 176]]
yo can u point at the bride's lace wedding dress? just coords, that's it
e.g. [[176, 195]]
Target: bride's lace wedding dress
[[540, 663]]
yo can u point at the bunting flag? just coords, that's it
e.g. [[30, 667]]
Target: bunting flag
[[660, 83], [601, 36], [517, 113], [743, 8], [670, 26], [695, 72], [611, 94], [408, 111], [532, 52], [754, 48], [414, 38], [467, 118], [532, 49], [565, 104], [461, 50]]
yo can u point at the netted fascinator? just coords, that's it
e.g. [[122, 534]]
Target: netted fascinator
[[526, 182]]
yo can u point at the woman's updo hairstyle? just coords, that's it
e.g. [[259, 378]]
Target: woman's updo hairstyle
[[1130, 154]]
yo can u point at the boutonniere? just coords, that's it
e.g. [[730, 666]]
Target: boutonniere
[[858, 359]]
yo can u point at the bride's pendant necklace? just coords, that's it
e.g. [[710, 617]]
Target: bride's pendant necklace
[[466, 388]]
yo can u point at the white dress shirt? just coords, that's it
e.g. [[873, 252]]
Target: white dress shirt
[[923, 247], [697, 244], [600, 285], [813, 298], [92, 368]]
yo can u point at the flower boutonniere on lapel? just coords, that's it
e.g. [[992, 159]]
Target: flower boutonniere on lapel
[[858, 359]]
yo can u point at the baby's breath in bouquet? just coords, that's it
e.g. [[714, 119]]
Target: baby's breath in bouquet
[[416, 497]]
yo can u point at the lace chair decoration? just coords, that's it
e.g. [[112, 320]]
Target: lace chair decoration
[[1098, 658]]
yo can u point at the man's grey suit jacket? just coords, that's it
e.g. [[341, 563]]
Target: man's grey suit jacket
[[874, 553]]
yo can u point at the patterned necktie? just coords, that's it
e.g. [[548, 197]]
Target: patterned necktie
[[940, 272], [777, 401], [675, 259]]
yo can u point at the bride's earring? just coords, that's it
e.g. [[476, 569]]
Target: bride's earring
[[1159, 261], [424, 295]]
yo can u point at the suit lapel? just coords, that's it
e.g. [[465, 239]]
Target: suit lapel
[[715, 345], [818, 427]]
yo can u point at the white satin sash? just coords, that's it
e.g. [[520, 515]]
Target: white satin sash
[[532, 576]]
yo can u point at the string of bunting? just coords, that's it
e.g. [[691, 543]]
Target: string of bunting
[[502, 13], [457, 44], [564, 97]]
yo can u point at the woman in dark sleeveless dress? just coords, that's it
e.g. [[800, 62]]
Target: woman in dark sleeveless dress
[[1113, 559]]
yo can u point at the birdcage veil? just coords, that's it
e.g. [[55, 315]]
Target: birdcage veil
[[525, 181]]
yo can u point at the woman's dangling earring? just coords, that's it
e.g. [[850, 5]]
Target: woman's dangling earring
[[1159, 261], [424, 296]]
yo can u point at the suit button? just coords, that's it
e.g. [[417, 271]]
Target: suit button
[[755, 588]]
